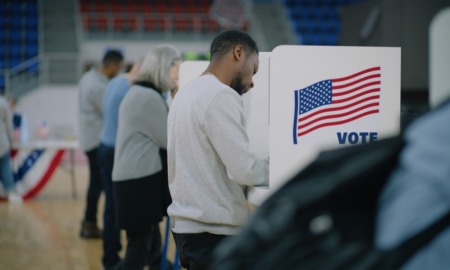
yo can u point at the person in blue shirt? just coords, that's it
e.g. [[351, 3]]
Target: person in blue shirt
[[418, 192], [114, 93]]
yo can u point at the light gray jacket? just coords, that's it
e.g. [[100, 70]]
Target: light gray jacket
[[90, 117], [141, 132]]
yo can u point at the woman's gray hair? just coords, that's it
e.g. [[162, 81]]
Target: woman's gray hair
[[156, 67]]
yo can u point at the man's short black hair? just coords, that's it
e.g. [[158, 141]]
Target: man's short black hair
[[227, 40], [112, 56]]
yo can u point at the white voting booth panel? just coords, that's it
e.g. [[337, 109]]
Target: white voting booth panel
[[190, 70], [256, 108], [326, 97], [440, 58]]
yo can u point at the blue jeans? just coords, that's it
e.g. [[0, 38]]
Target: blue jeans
[[111, 232], [6, 173]]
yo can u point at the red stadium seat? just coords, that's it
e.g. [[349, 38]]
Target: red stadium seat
[[84, 7], [116, 8], [101, 23], [100, 8], [183, 24], [126, 24], [148, 15], [210, 26], [148, 8], [154, 25]]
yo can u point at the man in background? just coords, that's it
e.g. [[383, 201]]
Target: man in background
[[91, 86]]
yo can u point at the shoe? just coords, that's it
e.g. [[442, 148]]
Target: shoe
[[14, 198], [90, 230]]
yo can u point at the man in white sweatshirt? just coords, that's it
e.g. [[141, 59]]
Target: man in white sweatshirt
[[210, 165]]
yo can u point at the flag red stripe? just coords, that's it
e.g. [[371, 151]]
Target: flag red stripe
[[339, 108], [356, 74], [355, 82], [338, 115], [356, 89], [51, 168], [338, 122], [357, 95]]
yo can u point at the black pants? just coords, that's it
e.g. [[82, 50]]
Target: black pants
[[94, 187], [111, 232], [196, 249], [143, 248]]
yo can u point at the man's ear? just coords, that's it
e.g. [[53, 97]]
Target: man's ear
[[238, 52]]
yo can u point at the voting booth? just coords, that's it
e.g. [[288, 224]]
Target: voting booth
[[308, 99]]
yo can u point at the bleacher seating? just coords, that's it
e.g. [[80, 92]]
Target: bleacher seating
[[147, 16], [317, 22], [18, 33]]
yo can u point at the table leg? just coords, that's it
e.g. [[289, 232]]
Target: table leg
[[72, 173]]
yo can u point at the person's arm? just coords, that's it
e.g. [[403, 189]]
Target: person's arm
[[156, 120], [224, 124]]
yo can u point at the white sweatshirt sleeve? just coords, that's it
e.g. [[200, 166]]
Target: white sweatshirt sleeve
[[224, 124]]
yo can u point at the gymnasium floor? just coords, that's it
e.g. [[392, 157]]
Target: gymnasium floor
[[42, 233]]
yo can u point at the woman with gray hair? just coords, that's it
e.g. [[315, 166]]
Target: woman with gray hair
[[140, 170]]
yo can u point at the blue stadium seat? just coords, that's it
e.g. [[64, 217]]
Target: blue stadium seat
[[2, 37], [14, 62], [16, 22], [2, 22], [31, 50], [31, 35], [311, 39], [16, 8], [15, 37], [32, 9], [2, 81], [331, 39], [309, 25], [32, 22], [317, 22], [15, 51], [3, 8], [330, 26]]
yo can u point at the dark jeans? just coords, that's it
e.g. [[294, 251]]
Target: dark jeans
[[111, 232], [6, 174], [94, 187], [196, 249], [143, 248]]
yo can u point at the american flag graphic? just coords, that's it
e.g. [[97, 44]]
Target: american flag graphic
[[336, 101]]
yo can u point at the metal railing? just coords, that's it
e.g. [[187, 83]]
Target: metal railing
[[51, 68]]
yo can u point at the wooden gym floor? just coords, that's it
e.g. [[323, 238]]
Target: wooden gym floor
[[43, 233]]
